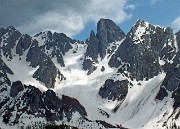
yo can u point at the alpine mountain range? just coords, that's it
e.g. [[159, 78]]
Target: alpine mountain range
[[112, 80]]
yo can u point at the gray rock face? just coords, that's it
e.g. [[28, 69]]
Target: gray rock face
[[178, 39], [32, 99], [12, 39], [89, 65], [162, 93], [2, 31], [176, 96], [172, 79], [71, 105], [3, 73], [8, 43], [45, 105], [114, 90], [47, 71], [93, 45], [51, 100], [141, 51], [4, 83], [16, 88], [4, 67], [107, 32], [57, 44], [23, 44], [65, 105], [91, 54]]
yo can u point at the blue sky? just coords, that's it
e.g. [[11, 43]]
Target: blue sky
[[158, 12], [76, 18]]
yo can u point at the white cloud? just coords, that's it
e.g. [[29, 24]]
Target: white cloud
[[71, 20], [55, 22], [131, 6], [112, 9], [176, 24]]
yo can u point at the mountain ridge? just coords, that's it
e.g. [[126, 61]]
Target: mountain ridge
[[122, 75]]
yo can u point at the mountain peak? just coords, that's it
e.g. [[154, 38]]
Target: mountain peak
[[92, 34], [104, 21], [10, 28], [45, 33], [145, 24], [141, 22], [140, 25], [107, 28], [108, 32], [142, 31]]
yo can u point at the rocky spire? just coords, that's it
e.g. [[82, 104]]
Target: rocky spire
[[107, 32]]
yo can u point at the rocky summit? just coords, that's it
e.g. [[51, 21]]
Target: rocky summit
[[112, 80]]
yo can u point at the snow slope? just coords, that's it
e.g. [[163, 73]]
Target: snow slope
[[140, 109]]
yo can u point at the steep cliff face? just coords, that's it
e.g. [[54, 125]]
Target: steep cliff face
[[145, 51], [107, 32], [92, 52], [20, 49], [114, 90], [171, 82], [54, 44], [8, 40], [46, 71]]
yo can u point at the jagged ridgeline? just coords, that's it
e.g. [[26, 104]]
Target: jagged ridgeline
[[112, 80]]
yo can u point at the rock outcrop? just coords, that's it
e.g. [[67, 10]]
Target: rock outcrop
[[17, 45], [107, 32], [28, 100], [55, 45], [143, 49], [47, 71], [114, 90], [172, 80]]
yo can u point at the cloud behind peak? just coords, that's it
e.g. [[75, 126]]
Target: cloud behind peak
[[65, 16]]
